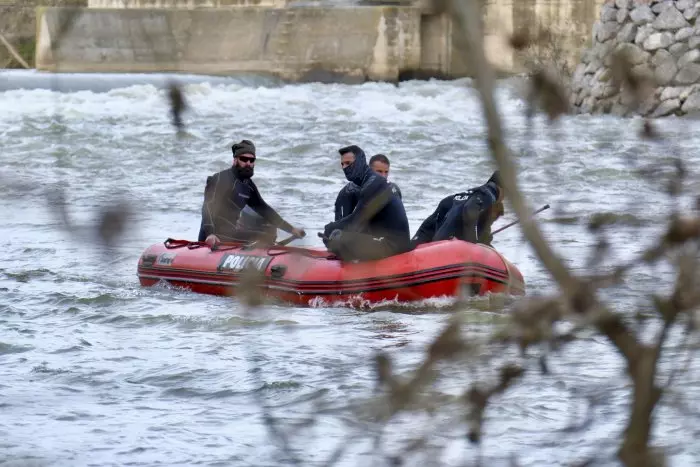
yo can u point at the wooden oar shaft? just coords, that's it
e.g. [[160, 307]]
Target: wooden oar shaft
[[543, 208], [286, 241], [14, 52]]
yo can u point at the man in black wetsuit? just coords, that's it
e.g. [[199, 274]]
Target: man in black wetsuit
[[377, 227], [347, 197], [467, 215], [228, 192], [251, 221]]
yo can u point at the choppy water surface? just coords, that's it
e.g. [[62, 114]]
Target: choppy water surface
[[98, 371]]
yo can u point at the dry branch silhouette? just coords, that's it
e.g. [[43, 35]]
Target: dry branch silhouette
[[533, 321]]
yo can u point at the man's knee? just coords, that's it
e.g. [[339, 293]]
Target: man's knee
[[334, 240], [471, 208], [350, 246]]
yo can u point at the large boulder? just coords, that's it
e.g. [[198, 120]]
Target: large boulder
[[627, 33], [689, 74], [634, 53], [670, 19], [642, 14], [692, 103], [689, 57], [666, 108], [665, 67], [658, 40], [684, 34]]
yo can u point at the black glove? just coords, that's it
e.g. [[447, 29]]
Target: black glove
[[331, 241], [328, 228]]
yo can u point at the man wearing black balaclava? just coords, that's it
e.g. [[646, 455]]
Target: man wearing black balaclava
[[346, 200], [377, 227], [466, 216], [231, 190]]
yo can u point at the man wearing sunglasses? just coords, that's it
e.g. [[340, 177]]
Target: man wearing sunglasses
[[377, 227], [228, 192], [347, 197], [466, 216]]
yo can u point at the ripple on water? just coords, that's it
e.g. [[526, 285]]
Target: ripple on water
[[13, 349], [26, 276]]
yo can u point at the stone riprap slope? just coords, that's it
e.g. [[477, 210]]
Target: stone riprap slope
[[662, 40]]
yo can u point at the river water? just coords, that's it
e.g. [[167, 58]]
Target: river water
[[95, 370]]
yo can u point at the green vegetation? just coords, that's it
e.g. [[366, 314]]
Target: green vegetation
[[25, 47]]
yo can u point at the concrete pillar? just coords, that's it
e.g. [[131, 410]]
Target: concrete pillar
[[436, 44]]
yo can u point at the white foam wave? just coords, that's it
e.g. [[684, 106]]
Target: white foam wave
[[407, 104]]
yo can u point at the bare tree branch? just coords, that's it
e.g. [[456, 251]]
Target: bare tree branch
[[582, 296]]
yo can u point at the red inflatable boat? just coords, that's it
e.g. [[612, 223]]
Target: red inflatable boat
[[307, 276]]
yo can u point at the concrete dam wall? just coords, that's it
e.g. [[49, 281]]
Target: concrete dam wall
[[296, 43]]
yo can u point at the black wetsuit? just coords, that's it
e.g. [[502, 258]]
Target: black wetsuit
[[349, 195], [377, 227], [225, 196], [463, 215], [432, 223], [251, 221]]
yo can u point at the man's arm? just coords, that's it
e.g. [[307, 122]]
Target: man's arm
[[428, 228], [395, 189], [488, 217], [206, 226], [261, 207], [372, 198], [202, 232], [345, 202]]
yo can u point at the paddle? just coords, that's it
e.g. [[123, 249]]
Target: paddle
[[543, 208], [254, 244], [302, 250], [287, 241]]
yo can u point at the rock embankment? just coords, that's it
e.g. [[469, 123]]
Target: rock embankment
[[661, 40]]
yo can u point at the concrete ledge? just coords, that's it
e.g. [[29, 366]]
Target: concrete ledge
[[361, 43], [186, 4]]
